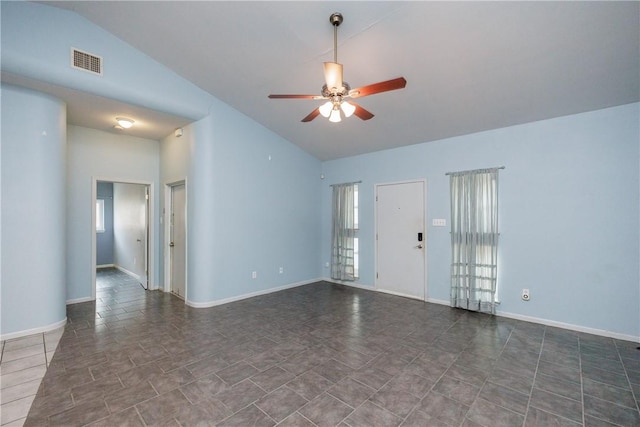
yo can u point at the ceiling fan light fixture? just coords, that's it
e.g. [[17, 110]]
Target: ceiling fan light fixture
[[325, 109], [347, 109], [335, 116], [333, 76]]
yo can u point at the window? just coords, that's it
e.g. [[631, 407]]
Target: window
[[345, 249], [474, 239], [100, 216], [356, 249]]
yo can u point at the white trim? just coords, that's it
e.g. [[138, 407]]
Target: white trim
[[79, 300], [569, 326], [105, 266], [382, 291], [39, 330], [399, 294], [249, 295], [130, 273], [167, 236], [546, 322], [438, 301], [352, 284], [150, 225], [94, 243]]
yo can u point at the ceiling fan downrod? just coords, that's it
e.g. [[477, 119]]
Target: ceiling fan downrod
[[336, 20]]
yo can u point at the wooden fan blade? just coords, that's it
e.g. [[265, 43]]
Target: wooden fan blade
[[295, 97], [361, 112], [312, 115], [372, 89]]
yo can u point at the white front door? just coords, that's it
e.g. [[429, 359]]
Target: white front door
[[177, 245], [400, 239]]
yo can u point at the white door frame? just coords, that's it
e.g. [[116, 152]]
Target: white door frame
[[167, 235], [150, 225], [424, 236]]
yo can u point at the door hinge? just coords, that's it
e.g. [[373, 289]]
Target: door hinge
[[376, 275]]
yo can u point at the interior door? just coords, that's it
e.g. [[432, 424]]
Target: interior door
[[177, 245], [400, 239], [145, 277]]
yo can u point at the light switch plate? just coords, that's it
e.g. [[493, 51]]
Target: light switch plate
[[439, 222]]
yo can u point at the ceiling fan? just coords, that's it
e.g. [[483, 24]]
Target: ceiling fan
[[336, 90]]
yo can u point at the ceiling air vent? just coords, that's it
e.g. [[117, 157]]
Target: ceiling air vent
[[86, 61]]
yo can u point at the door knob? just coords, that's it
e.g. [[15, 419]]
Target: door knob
[[171, 244]]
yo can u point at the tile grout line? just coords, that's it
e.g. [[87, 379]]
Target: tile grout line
[[633, 394], [535, 375], [477, 396], [581, 379], [44, 347]]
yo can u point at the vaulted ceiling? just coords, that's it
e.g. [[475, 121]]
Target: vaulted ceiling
[[470, 66]]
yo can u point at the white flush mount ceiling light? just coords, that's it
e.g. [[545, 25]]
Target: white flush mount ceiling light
[[336, 90], [124, 122]]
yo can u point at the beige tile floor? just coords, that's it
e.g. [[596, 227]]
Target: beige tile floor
[[23, 363]]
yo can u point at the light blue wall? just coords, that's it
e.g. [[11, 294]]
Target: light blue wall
[[245, 212], [267, 207], [33, 211], [104, 241], [94, 154], [37, 41], [569, 216]]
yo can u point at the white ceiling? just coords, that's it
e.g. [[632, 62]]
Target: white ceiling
[[470, 66]]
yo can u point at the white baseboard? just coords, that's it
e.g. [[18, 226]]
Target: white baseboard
[[105, 266], [125, 271], [352, 284], [79, 300], [546, 322], [569, 326], [39, 330], [439, 301], [249, 295]]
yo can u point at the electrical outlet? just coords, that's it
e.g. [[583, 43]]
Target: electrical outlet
[[525, 295], [326, 265], [254, 274], [281, 270]]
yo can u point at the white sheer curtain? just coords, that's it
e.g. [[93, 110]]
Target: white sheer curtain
[[474, 239], [342, 250]]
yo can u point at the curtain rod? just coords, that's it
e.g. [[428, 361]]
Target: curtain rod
[[475, 170], [346, 183]]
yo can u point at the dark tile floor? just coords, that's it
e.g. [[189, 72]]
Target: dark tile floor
[[321, 355]]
